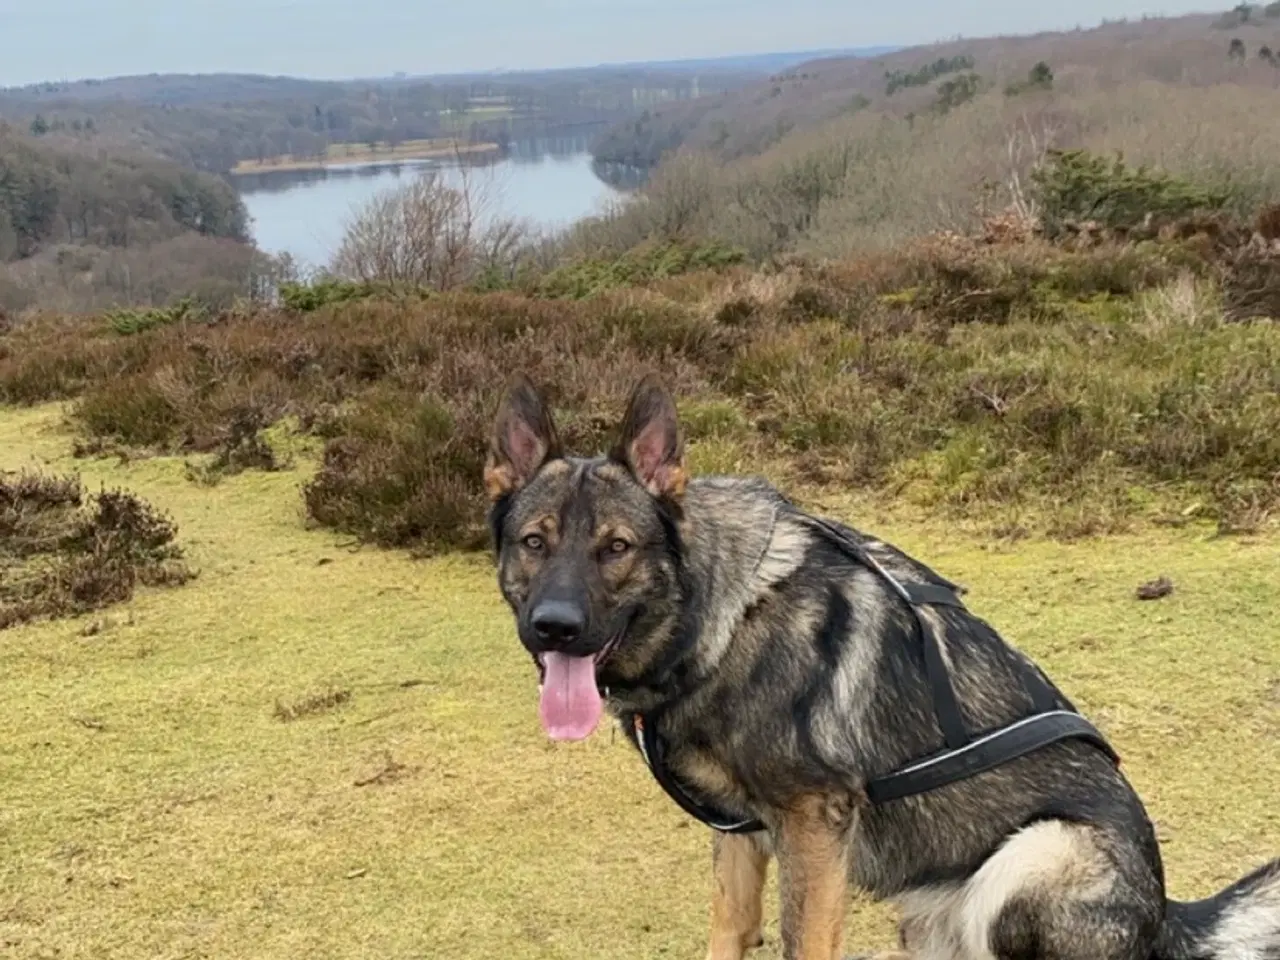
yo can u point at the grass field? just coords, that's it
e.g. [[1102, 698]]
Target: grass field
[[461, 121], [154, 804], [338, 154]]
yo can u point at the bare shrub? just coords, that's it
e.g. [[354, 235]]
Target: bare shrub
[[64, 552], [430, 234]]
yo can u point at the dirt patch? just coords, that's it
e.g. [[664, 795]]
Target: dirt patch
[[311, 705]]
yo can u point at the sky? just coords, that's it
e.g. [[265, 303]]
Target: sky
[[74, 39]]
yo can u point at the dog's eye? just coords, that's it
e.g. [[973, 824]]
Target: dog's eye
[[533, 542], [617, 546]]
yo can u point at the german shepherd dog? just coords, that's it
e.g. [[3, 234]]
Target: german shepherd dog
[[783, 676]]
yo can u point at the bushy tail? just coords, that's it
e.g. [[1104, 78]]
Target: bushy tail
[[1240, 923]]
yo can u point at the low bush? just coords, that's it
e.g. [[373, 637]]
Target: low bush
[[64, 552], [1074, 186], [130, 320], [308, 296], [644, 264]]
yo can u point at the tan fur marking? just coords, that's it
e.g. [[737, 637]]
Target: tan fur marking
[[547, 525], [707, 776], [675, 481], [740, 867], [813, 865], [500, 480], [611, 471]]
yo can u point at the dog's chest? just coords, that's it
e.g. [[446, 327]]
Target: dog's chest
[[702, 775], [706, 775]]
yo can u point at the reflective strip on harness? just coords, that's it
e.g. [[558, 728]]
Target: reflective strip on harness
[[964, 756]]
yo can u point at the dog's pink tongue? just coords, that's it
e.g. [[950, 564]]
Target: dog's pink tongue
[[570, 707]]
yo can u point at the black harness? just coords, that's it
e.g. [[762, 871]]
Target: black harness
[[964, 755]]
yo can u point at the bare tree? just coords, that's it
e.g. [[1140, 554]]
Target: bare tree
[[1025, 148], [430, 233], [410, 235]]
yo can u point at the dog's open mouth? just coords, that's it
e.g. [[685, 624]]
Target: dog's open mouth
[[570, 706]]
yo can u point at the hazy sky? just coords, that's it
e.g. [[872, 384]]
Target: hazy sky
[[72, 39]]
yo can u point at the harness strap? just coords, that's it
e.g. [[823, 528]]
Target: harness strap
[[652, 749], [985, 753], [963, 757], [916, 595]]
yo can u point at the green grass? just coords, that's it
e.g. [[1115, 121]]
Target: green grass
[[160, 798]]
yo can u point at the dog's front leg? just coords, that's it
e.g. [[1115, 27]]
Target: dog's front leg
[[739, 864], [812, 844]]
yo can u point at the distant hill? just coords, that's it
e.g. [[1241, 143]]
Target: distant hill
[[222, 88], [175, 89], [212, 122], [761, 62], [840, 155], [1189, 51], [745, 63]]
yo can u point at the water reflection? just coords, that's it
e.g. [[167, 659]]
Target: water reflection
[[550, 181]]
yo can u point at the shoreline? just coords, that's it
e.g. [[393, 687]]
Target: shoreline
[[358, 154]]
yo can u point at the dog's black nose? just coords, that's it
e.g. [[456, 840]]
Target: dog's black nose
[[557, 622]]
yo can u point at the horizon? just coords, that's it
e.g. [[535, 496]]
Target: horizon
[[861, 51], [535, 36]]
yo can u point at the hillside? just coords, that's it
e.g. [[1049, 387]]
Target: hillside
[[82, 228], [1041, 382], [1177, 53], [839, 157]]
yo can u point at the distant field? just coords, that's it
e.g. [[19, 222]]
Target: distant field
[[460, 121], [154, 805], [343, 153]]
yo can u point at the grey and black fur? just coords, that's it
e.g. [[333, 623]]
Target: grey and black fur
[[784, 676]]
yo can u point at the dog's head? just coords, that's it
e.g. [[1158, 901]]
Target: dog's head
[[587, 548]]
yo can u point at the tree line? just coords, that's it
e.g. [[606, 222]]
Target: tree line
[[85, 230], [212, 123], [50, 195]]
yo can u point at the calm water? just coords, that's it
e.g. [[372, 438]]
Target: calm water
[[303, 213]]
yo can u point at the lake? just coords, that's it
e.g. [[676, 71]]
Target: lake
[[303, 213]]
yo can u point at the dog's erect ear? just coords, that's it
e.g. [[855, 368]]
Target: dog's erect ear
[[650, 444], [524, 438]]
